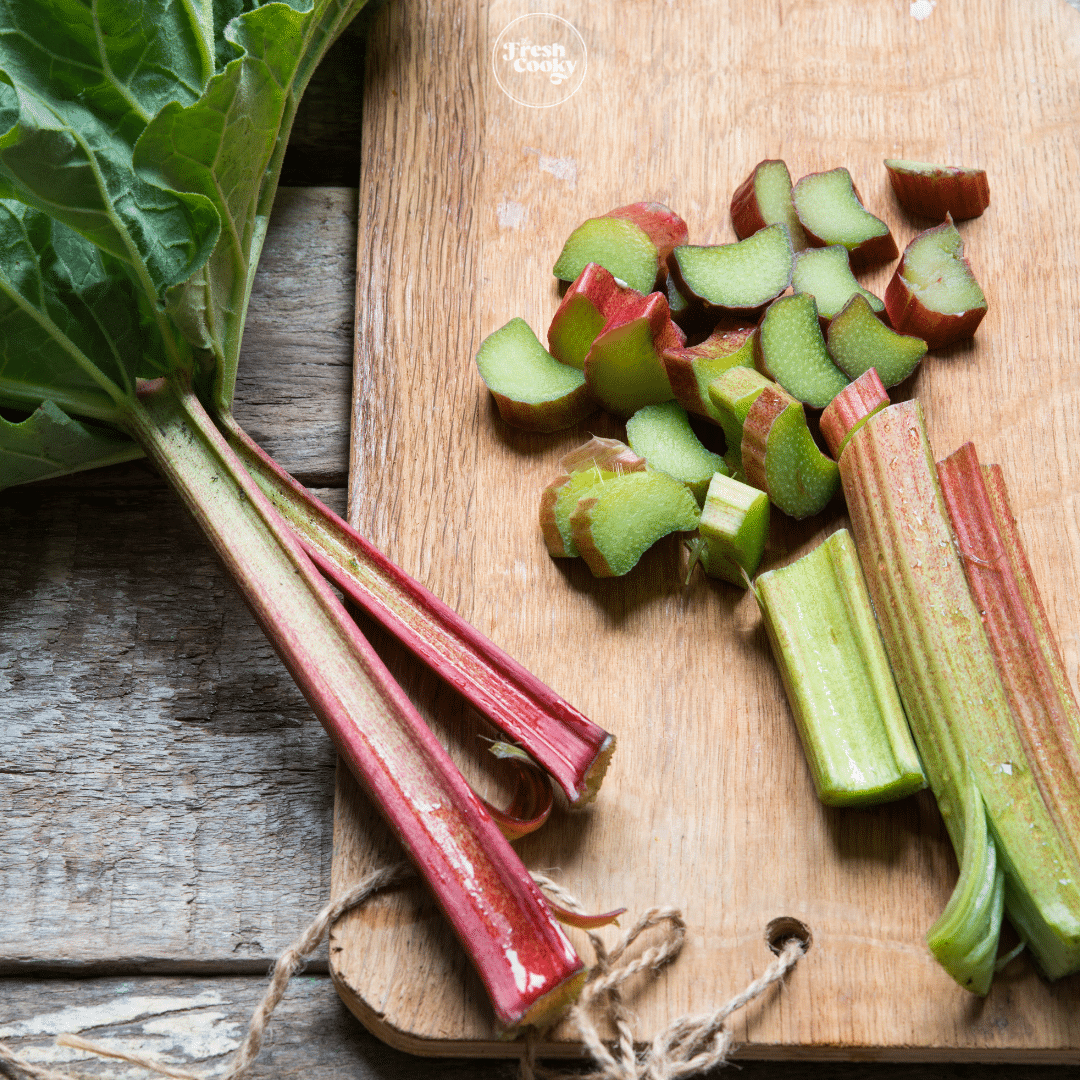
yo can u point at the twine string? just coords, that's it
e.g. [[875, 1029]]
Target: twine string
[[687, 1046]]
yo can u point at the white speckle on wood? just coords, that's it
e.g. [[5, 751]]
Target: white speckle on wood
[[565, 169], [922, 9], [511, 215]]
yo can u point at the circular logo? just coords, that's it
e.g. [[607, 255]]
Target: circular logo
[[539, 60]]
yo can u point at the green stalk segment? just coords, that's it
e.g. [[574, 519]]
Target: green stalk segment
[[829, 651], [959, 713]]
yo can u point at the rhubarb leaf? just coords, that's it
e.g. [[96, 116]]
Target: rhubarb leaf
[[228, 147], [49, 443], [77, 329], [138, 163]]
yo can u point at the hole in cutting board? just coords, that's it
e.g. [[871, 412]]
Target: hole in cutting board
[[780, 931]]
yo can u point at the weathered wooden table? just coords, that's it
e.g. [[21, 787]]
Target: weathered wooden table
[[166, 794]]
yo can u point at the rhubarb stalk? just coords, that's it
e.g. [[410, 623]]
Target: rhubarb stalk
[[974, 757], [573, 750], [524, 958], [1026, 653], [831, 658]]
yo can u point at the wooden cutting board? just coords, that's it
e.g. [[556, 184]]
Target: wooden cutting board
[[466, 197]]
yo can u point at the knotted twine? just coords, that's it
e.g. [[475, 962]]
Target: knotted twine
[[688, 1046]]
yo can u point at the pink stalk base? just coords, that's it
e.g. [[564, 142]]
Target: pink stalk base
[[524, 958], [573, 750]]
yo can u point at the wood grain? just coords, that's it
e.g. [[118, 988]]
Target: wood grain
[[466, 198], [165, 791]]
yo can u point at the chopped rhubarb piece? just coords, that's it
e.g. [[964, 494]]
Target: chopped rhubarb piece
[[732, 393], [791, 350], [690, 368], [933, 293], [855, 404], [831, 212], [619, 519], [621, 246], [593, 298], [734, 527], [825, 273], [858, 341], [623, 370], [779, 456], [937, 191], [660, 223], [531, 388], [663, 436], [738, 279], [764, 198]]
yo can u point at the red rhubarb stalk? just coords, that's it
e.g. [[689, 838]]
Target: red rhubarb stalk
[[524, 958], [1025, 650], [565, 743]]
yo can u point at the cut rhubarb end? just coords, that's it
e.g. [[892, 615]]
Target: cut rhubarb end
[[497, 911], [663, 436], [764, 198], [564, 742], [1046, 713], [832, 661], [947, 677], [938, 191], [739, 279], [858, 341], [618, 520], [532, 389], [620, 246], [851, 408], [623, 370], [791, 350], [933, 294], [734, 526], [831, 212], [780, 457], [825, 273]]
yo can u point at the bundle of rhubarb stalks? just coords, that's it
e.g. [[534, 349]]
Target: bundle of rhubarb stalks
[[915, 650]]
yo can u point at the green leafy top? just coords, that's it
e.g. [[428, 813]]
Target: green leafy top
[[140, 146]]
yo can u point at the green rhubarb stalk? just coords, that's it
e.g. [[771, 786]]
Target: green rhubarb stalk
[[1026, 653], [832, 661], [956, 704]]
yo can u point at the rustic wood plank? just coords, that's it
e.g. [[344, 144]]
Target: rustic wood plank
[[295, 371], [196, 1022], [708, 803], [166, 791]]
